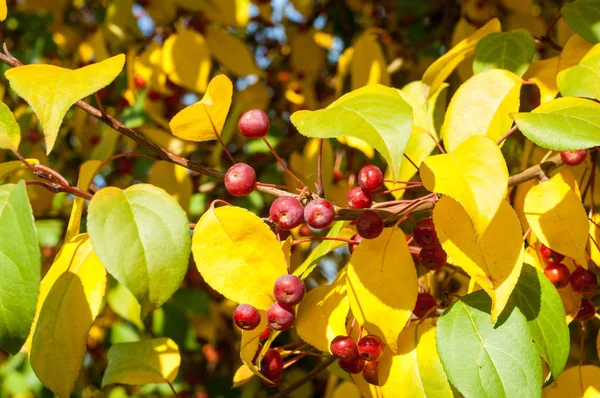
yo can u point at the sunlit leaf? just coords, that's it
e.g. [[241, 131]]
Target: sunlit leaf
[[543, 73], [576, 381], [231, 52], [304, 47], [186, 60], [7, 168], [3, 10], [512, 51], [174, 179], [583, 16], [10, 131], [87, 171], [582, 80], [368, 65]]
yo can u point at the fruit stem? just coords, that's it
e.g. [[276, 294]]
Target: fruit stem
[[437, 143], [282, 164], [508, 134], [316, 238], [218, 135], [411, 162], [408, 186], [320, 190]]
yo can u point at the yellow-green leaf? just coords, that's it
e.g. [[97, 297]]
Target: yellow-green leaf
[[142, 362], [51, 90], [575, 382], [174, 179], [87, 171], [582, 80], [481, 106], [238, 255], [595, 238], [475, 175], [199, 121], [10, 132], [495, 262], [70, 299], [558, 219], [14, 165], [382, 285], [186, 59], [231, 52]]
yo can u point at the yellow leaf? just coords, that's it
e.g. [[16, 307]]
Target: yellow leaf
[[235, 13], [543, 73], [3, 10], [475, 175], [346, 389], [231, 52], [571, 381], [594, 237], [462, 30], [575, 48], [197, 122], [322, 314], [305, 165], [149, 66], [238, 255], [186, 59], [167, 140], [71, 296], [558, 219], [481, 106], [14, 165], [87, 171], [368, 65], [174, 179], [304, 47], [343, 68], [161, 12], [51, 90], [123, 303], [382, 285], [359, 144], [142, 362], [242, 375], [439, 71], [495, 262], [250, 341]]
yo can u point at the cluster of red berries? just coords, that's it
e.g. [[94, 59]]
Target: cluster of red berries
[[432, 256], [581, 280], [362, 357]]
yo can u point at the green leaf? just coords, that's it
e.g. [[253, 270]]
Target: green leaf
[[563, 124], [374, 113], [540, 302], [582, 80], [512, 51], [483, 359], [141, 235], [583, 16], [10, 132], [20, 267], [305, 269]]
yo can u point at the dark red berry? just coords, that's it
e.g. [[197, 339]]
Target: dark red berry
[[424, 233], [343, 347], [370, 348], [287, 212], [153, 95], [425, 302], [370, 178], [94, 140], [304, 230], [319, 213], [124, 166], [34, 135], [573, 158], [583, 281], [289, 289], [359, 198], [370, 373], [271, 366], [558, 274], [369, 225], [254, 124], [353, 365], [337, 176], [352, 246], [246, 317], [433, 258], [587, 311], [139, 82], [240, 179], [281, 316], [549, 256]]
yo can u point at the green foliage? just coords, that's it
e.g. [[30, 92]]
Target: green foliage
[[583, 16], [512, 51]]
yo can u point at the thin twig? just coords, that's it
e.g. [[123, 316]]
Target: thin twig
[[508, 134], [282, 164], [320, 190]]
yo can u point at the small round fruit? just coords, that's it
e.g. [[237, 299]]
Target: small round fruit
[[240, 179], [353, 365], [370, 178], [370, 373], [139, 82], [425, 302], [352, 246], [246, 317], [558, 274], [573, 158], [289, 289], [424, 233], [343, 347], [287, 212], [319, 213], [549, 256], [271, 366], [433, 258], [254, 124], [370, 348], [369, 225], [281, 316], [587, 311], [359, 198], [583, 281]]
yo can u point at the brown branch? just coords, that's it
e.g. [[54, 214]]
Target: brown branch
[[534, 171]]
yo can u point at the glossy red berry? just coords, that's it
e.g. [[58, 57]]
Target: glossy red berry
[[369, 225], [246, 317], [587, 311], [359, 198], [583, 281], [287, 212], [139, 82], [370, 178], [281, 316], [558, 274], [573, 158], [254, 124], [425, 302], [343, 347], [424, 233], [319, 213], [265, 334], [271, 366], [433, 258], [371, 373], [352, 246], [549, 256], [240, 179], [353, 365], [370, 348], [289, 289]]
